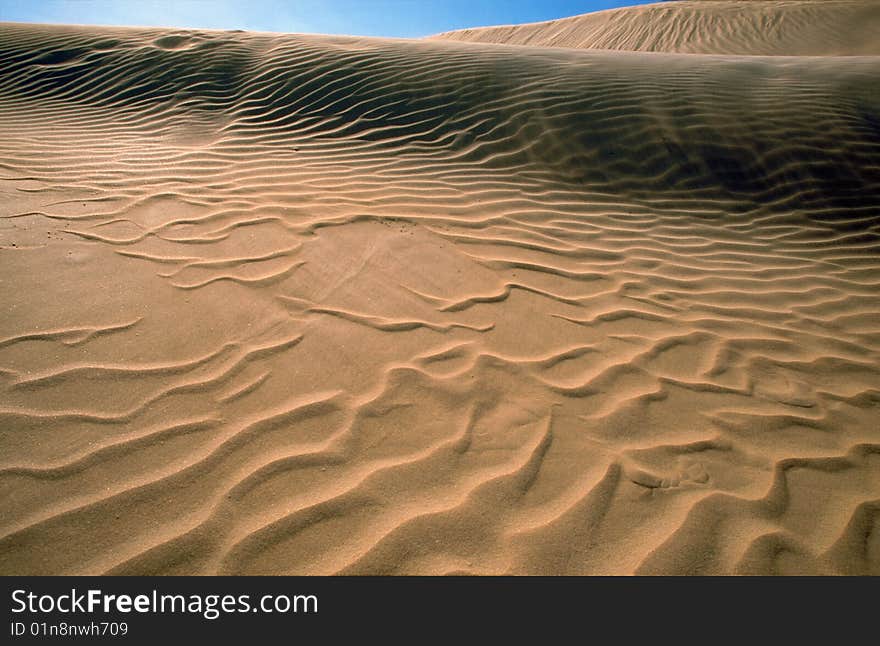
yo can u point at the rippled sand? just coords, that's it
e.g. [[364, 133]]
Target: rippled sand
[[745, 27], [295, 304]]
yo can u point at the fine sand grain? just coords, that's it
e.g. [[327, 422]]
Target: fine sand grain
[[288, 304]]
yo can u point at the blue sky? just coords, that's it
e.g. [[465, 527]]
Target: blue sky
[[396, 18]]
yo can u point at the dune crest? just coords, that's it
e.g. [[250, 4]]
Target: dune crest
[[287, 304], [741, 27]]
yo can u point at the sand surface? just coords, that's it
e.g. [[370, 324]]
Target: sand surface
[[744, 27], [290, 304]]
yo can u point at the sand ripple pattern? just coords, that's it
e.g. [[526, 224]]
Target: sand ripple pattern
[[311, 305], [761, 27]]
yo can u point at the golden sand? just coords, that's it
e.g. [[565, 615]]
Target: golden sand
[[291, 304]]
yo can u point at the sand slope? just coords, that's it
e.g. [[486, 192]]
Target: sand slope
[[743, 27], [301, 304]]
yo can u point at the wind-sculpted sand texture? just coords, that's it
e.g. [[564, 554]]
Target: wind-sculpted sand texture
[[291, 304], [745, 27]]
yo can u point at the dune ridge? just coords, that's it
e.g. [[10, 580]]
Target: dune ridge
[[739, 27], [288, 304]]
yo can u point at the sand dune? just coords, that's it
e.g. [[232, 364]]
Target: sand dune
[[291, 304], [742, 27]]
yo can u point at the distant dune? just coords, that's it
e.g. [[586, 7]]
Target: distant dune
[[745, 27], [286, 304]]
